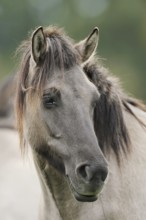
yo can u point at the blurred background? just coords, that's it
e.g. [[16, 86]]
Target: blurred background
[[122, 27]]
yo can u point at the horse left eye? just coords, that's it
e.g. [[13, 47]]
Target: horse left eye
[[51, 98], [49, 102]]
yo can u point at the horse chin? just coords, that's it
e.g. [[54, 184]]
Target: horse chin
[[84, 198]]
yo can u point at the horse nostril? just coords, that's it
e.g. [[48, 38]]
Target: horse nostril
[[91, 174], [102, 173], [82, 171]]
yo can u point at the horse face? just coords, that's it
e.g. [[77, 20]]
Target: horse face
[[59, 122], [60, 128]]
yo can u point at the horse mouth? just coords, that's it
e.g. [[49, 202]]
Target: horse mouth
[[85, 198], [82, 197]]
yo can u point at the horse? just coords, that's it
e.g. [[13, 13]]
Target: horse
[[87, 136]]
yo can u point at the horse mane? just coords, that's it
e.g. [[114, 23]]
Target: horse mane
[[109, 122]]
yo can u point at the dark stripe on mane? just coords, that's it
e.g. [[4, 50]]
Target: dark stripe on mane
[[109, 122]]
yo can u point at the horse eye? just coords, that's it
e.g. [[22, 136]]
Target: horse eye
[[49, 102], [51, 98]]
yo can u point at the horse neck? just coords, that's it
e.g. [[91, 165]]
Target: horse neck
[[57, 197]]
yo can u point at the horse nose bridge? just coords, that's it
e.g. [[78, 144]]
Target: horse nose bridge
[[82, 124], [86, 148], [85, 135]]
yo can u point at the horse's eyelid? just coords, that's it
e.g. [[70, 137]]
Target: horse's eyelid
[[51, 92]]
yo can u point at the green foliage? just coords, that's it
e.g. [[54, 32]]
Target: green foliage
[[122, 27]]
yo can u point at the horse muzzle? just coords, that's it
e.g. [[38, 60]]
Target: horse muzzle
[[89, 182], [86, 193]]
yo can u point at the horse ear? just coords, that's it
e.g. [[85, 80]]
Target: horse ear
[[39, 44], [88, 46]]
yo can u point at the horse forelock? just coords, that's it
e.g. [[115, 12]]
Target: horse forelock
[[60, 55]]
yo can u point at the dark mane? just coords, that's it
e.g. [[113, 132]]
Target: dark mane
[[109, 123]]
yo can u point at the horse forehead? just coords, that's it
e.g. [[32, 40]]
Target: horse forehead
[[73, 79], [75, 76]]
